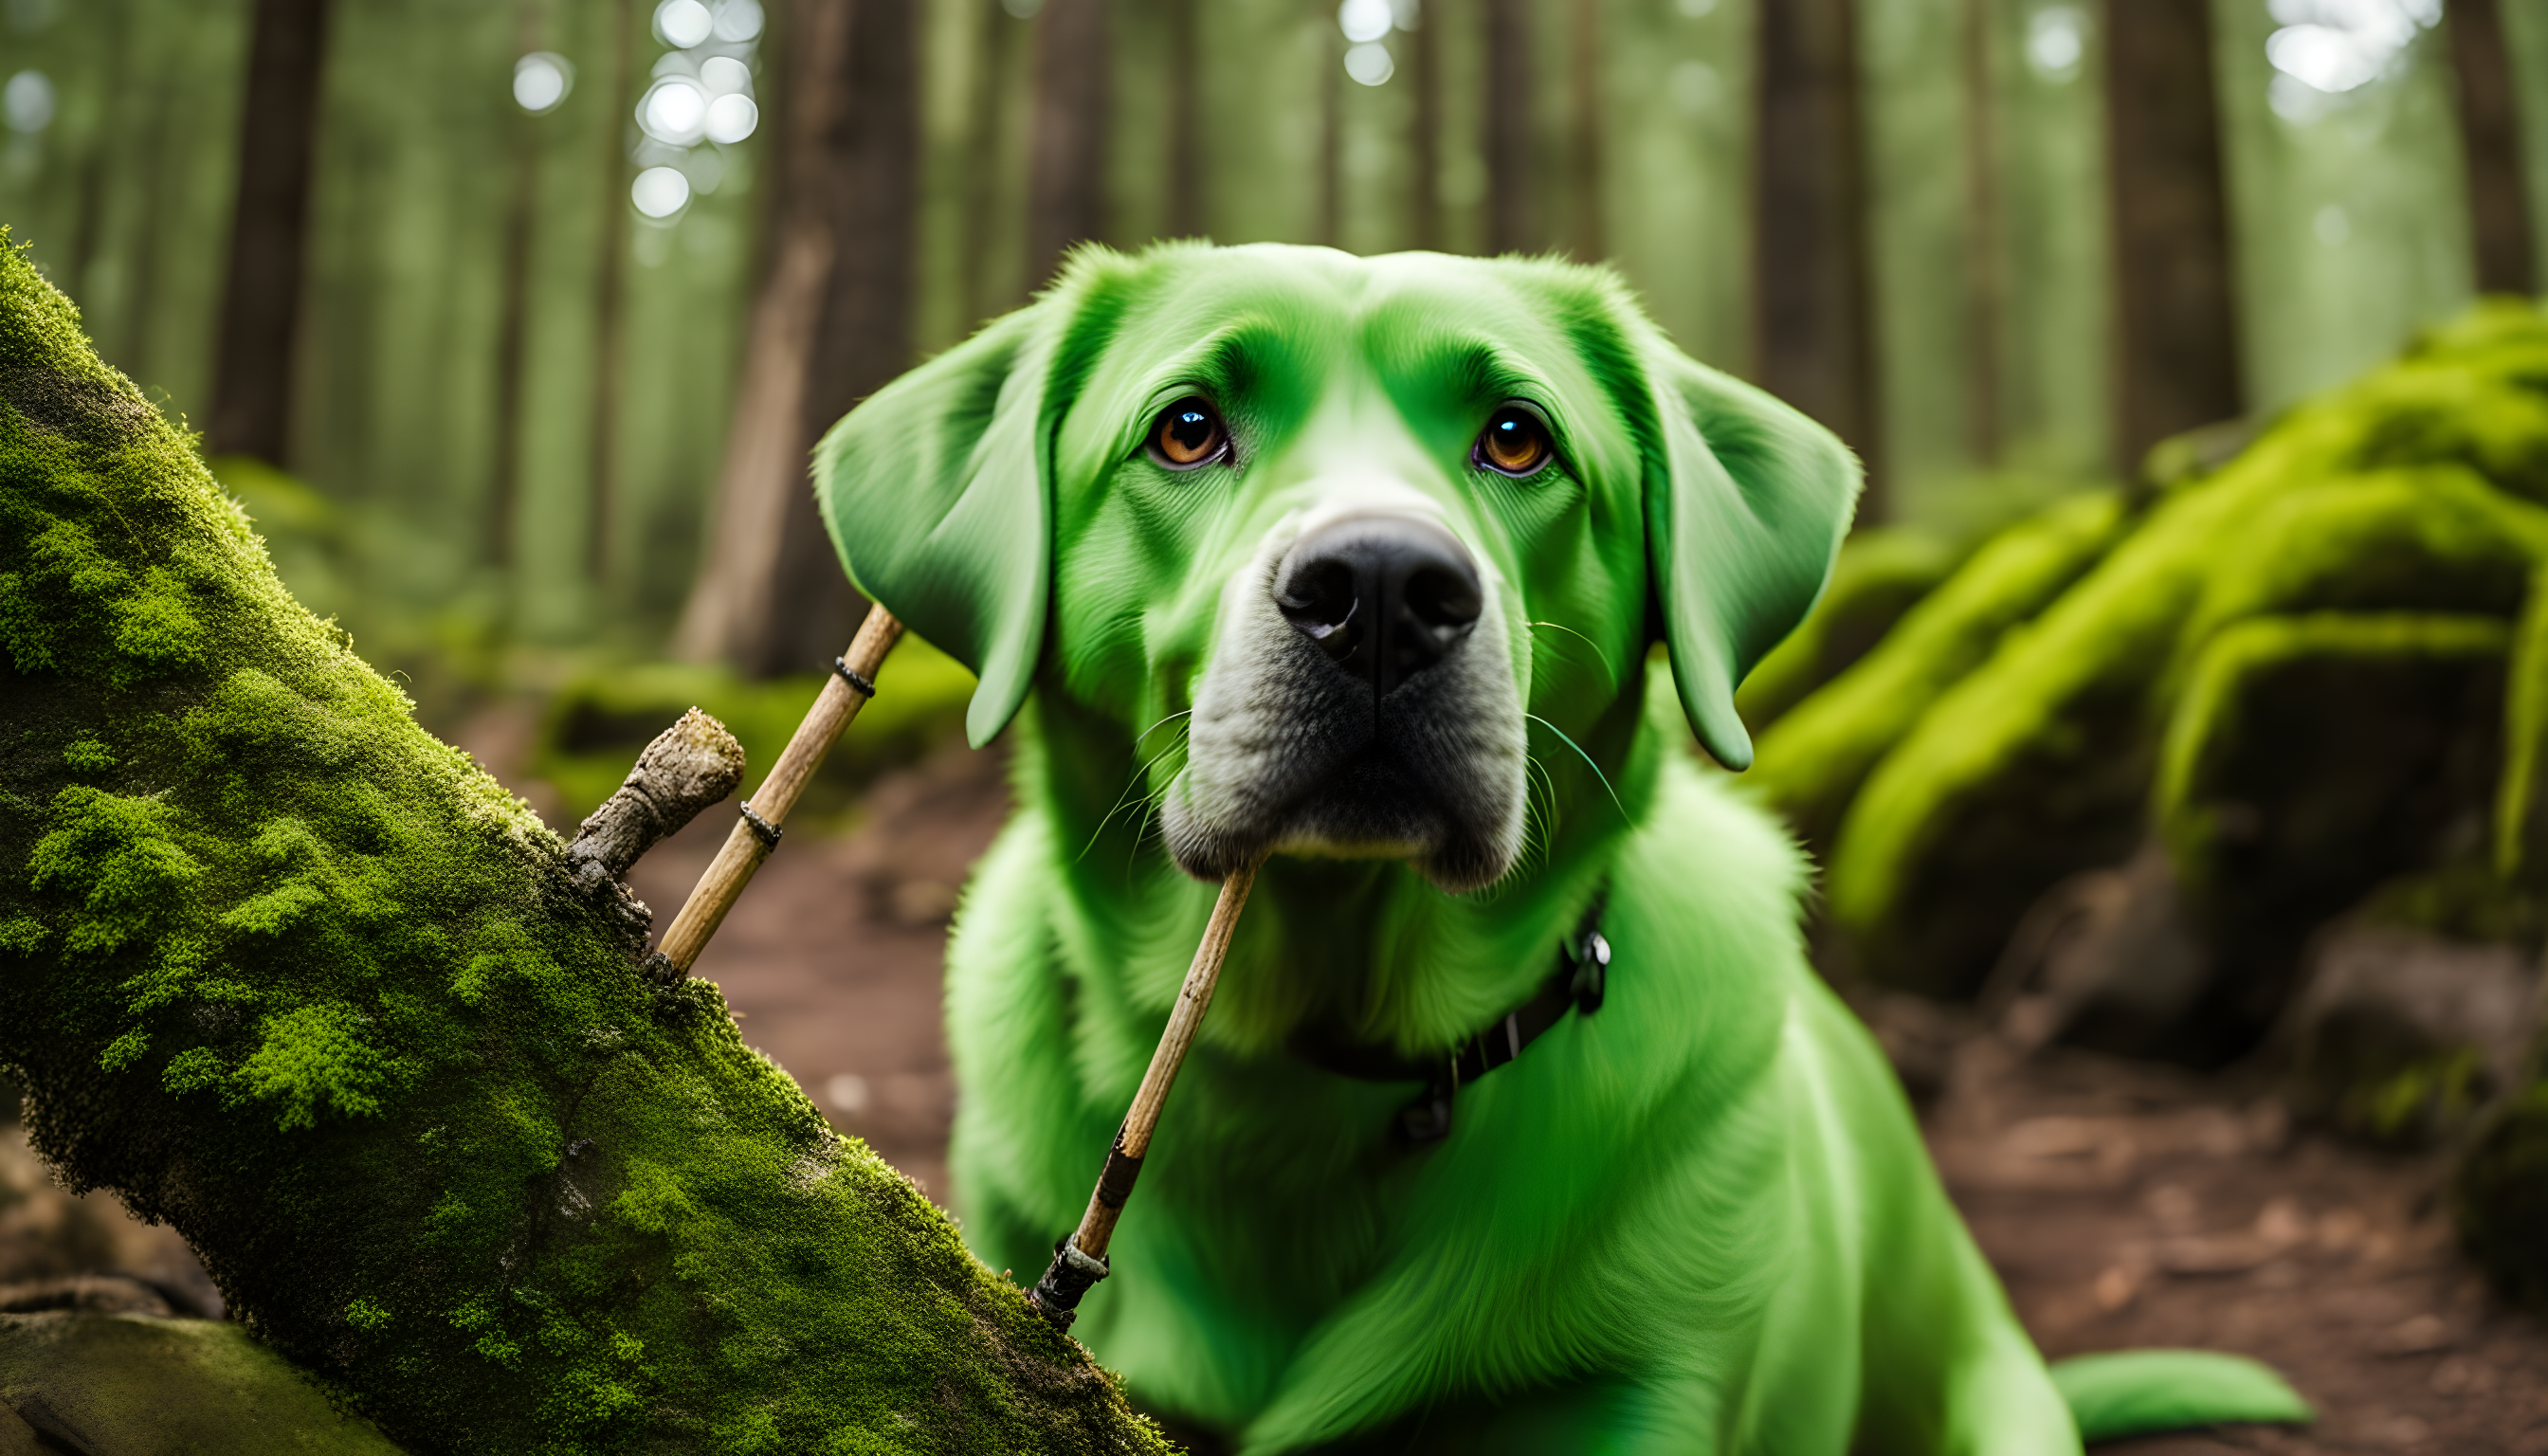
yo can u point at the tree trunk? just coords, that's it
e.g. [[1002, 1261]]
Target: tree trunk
[[2175, 325], [1425, 131], [284, 971], [1066, 143], [1327, 228], [1985, 266], [1812, 332], [1185, 120], [1585, 237], [269, 231], [831, 326], [864, 340], [2490, 139], [610, 308], [1510, 171], [505, 470]]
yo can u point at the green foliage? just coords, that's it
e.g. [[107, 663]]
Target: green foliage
[[282, 970]]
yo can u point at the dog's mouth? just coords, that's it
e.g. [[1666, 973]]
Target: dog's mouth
[[1359, 704]]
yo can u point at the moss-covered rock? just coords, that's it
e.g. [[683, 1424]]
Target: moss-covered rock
[[283, 970], [2311, 758], [1879, 575], [2500, 1195], [2018, 726], [133, 1384], [1812, 761]]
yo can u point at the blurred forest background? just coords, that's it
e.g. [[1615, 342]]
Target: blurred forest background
[[511, 321]]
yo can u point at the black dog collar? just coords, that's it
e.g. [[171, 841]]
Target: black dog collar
[[1579, 983]]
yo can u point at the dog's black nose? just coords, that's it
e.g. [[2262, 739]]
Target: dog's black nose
[[1384, 596]]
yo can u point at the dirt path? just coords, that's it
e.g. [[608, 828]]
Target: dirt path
[[2124, 1205], [2130, 1206]]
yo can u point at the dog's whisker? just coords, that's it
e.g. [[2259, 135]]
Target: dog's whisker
[[1149, 804], [1603, 662], [1587, 761], [1153, 728], [1539, 820], [1126, 800]]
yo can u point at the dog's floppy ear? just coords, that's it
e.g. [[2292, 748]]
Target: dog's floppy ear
[[1743, 517], [936, 491]]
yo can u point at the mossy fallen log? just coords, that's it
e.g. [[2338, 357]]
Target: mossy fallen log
[[1880, 574], [2011, 731], [1812, 761], [283, 970]]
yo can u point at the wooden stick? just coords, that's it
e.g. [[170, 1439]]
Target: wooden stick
[[756, 830], [1079, 1261]]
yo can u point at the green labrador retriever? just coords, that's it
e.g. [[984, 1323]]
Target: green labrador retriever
[[1520, 1123]]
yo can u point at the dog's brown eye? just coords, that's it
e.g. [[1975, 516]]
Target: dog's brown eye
[[1514, 442], [1188, 434]]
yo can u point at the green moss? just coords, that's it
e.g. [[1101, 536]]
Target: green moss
[[1812, 761], [2521, 802], [2245, 673], [2409, 490], [1880, 574], [285, 971]]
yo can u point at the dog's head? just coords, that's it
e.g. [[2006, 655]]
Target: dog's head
[[1363, 518]]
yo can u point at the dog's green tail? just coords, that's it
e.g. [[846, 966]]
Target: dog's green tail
[[2137, 1392]]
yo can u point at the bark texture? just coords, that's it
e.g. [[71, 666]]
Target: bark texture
[[832, 324], [1812, 335], [1512, 211], [269, 230], [1066, 147], [2176, 325], [2490, 140], [284, 971]]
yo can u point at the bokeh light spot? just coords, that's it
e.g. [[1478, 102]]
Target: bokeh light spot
[[674, 112], [723, 75], [27, 102], [737, 19], [660, 192], [731, 118], [682, 24], [2054, 41], [2340, 44], [541, 80], [1370, 65], [1364, 20]]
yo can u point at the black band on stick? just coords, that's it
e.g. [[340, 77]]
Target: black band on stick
[[1116, 1183], [1069, 1276], [761, 829], [864, 686]]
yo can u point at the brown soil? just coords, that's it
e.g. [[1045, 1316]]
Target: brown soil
[[2125, 1205]]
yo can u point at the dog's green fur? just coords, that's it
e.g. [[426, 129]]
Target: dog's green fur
[[1701, 1220]]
